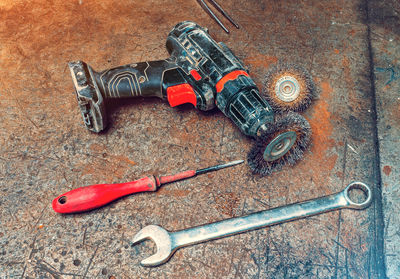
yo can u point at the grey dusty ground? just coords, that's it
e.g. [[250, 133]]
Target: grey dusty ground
[[351, 49]]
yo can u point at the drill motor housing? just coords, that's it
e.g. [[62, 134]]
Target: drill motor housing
[[199, 71]]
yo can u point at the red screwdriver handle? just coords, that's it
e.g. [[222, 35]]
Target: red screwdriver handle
[[94, 196], [171, 178]]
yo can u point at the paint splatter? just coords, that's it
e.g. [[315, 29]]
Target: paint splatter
[[394, 73], [387, 170]]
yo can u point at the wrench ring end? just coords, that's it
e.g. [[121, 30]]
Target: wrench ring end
[[360, 186]]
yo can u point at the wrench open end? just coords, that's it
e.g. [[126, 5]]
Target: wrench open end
[[355, 204], [163, 242]]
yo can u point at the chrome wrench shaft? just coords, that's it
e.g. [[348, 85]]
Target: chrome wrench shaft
[[168, 242]]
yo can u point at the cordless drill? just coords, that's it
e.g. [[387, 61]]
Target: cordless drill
[[199, 71]]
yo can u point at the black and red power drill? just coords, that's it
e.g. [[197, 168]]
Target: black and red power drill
[[206, 74]]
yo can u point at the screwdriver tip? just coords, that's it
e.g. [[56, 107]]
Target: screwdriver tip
[[220, 166], [234, 163]]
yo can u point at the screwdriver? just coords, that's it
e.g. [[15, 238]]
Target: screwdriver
[[94, 196]]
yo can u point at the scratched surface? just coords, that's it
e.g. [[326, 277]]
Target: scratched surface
[[385, 38], [45, 149]]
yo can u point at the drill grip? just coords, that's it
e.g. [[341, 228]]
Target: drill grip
[[141, 79], [146, 79]]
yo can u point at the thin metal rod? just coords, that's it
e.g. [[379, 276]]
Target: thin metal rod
[[211, 13], [219, 8]]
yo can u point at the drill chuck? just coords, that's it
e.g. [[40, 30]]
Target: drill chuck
[[249, 112]]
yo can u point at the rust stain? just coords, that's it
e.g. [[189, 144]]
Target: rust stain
[[322, 162], [352, 32], [97, 148], [103, 171], [320, 123], [122, 158], [260, 60], [103, 167], [226, 203], [180, 193], [101, 149], [387, 170]]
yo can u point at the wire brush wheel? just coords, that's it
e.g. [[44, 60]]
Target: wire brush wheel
[[288, 87], [280, 143]]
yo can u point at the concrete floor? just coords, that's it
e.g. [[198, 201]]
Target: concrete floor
[[351, 49]]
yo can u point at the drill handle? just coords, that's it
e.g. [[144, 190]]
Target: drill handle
[[143, 79], [164, 79]]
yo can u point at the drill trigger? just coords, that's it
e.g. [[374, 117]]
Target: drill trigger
[[181, 94]]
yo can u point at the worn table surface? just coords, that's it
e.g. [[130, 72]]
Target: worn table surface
[[45, 149], [385, 43]]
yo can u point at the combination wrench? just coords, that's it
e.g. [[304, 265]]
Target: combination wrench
[[168, 242]]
